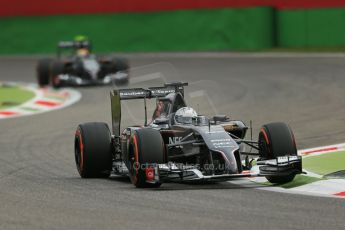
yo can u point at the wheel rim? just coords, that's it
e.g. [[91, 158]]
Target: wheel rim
[[79, 152], [264, 145], [56, 81], [134, 160]]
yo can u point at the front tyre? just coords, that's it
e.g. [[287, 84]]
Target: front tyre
[[93, 150], [57, 69], [43, 71], [146, 148], [277, 139], [119, 64]]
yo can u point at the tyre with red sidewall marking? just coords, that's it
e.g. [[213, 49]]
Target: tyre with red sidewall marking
[[93, 150], [146, 148], [57, 68], [277, 139]]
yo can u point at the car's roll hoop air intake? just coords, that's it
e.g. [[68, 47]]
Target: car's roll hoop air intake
[[139, 93]]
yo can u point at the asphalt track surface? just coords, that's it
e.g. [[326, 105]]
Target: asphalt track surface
[[41, 189]]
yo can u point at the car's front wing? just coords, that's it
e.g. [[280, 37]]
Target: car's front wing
[[281, 166]]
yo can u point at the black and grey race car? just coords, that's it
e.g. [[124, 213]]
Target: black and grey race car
[[81, 68], [179, 145]]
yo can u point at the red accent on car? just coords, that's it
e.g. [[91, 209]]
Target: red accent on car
[[81, 146], [265, 135], [150, 174], [56, 80]]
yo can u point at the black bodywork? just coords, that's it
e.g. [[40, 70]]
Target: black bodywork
[[209, 149], [82, 68]]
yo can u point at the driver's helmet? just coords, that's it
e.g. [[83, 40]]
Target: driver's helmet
[[185, 115], [83, 52], [82, 45], [80, 38]]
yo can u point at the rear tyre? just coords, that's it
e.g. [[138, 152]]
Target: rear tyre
[[146, 147], [277, 139], [43, 71], [119, 64], [93, 150], [57, 69]]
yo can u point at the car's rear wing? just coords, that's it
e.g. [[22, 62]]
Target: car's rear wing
[[139, 93], [152, 92], [62, 45]]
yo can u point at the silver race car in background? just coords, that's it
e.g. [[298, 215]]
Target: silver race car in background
[[82, 68]]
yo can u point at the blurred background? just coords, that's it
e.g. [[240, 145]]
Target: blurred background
[[35, 26]]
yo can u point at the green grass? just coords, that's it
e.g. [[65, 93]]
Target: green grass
[[298, 181], [12, 96], [326, 163]]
